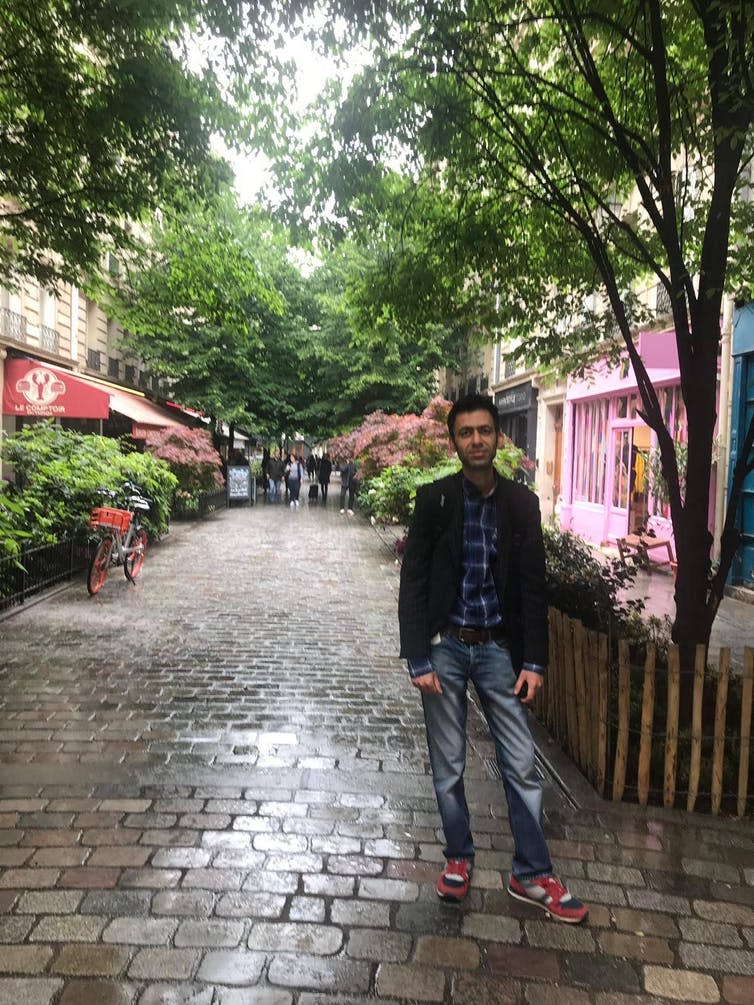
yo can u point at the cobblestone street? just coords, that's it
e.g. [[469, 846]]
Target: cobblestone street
[[214, 790]]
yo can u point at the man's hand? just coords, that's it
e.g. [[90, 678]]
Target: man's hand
[[532, 682], [428, 683]]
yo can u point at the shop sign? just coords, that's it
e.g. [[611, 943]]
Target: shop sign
[[34, 388], [514, 399]]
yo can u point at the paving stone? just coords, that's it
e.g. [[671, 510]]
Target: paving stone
[[441, 951], [105, 961], [726, 913], [97, 993], [256, 996], [715, 933], [556, 935], [433, 918], [15, 929], [321, 940], [116, 903], [128, 856], [329, 886], [602, 973], [531, 964], [307, 909], [180, 858], [24, 959], [649, 948], [210, 934], [233, 967], [540, 994], [250, 905], [738, 990], [680, 985], [407, 981], [319, 973], [177, 994], [354, 865], [28, 991], [29, 879], [68, 928], [649, 900], [60, 857], [492, 928], [371, 944], [174, 964], [184, 903], [387, 889], [711, 870], [644, 923], [140, 931], [368, 914], [605, 873], [473, 989], [717, 958], [151, 879]]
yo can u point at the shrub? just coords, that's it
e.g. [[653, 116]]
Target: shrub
[[191, 457], [585, 587], [59, 472]]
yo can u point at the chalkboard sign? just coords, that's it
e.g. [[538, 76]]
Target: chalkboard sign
[[239, 483]]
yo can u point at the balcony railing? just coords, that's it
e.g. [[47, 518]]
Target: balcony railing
[[94, 359], [49, 339], [662, 300], [12, 325]]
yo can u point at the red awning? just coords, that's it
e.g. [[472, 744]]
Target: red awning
[[144, 414], [35, 388]]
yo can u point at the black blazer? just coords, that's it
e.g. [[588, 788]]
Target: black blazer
[[431, 570]]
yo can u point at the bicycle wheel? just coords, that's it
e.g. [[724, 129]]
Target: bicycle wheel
[[99, 565], [134, 561]]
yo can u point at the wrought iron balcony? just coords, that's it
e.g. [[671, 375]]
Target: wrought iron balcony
[[49, 339], [12, 325]]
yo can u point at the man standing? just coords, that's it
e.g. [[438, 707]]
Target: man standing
[[473, 608]]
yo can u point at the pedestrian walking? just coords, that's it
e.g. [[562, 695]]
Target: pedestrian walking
[[325, 470], [473, 609], [295, 475], [311, 467], [348, 483], [275, 475]]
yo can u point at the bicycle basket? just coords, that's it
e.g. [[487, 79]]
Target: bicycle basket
[[112, 519]]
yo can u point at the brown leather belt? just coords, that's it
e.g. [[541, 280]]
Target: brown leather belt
[[475, 636]]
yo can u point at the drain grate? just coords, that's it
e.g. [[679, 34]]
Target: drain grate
[[546, 772]]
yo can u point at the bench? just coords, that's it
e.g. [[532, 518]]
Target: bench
[[658, 534]]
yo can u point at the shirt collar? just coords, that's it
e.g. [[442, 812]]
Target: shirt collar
[[472, 492]]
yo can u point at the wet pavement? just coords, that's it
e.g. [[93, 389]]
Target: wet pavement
[[214, 790]]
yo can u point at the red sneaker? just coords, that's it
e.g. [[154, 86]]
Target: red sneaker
[[453, 882], [549, 894]]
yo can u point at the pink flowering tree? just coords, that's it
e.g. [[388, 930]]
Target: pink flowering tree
[[191, 456], [387, 441]]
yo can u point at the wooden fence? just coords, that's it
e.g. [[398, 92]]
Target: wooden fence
[[647, 731]]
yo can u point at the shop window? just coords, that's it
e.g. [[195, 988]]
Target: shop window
[[621, 407], [590, 450]]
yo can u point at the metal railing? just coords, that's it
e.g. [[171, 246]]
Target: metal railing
[[12, 325], [49, 339], [206, 503], [93, 359], [37, 569]]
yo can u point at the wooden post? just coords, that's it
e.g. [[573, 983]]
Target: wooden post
[[718, 746], [647, 718], [593, 700], [570, 691], [747, 687], [602, 678], [582, 707], [671, 726], [561, 625], [624, 711], [700, 664], [552, 683]]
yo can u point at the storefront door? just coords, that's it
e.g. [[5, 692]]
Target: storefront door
[[627, 485]]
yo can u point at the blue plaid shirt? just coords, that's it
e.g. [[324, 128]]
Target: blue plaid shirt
[[477, 605]]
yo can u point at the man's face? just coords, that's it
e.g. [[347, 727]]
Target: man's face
[[475, 439]]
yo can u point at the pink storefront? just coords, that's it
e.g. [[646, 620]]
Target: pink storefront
[[609, 450]]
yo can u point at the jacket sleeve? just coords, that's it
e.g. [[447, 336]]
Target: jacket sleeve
[[413, 598], [531, 570]]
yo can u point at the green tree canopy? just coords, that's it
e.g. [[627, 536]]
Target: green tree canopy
[[581, 145]]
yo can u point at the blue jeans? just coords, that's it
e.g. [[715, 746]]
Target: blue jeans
[[489, 668]]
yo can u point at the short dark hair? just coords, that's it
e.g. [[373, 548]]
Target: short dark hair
[[473, 403]]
